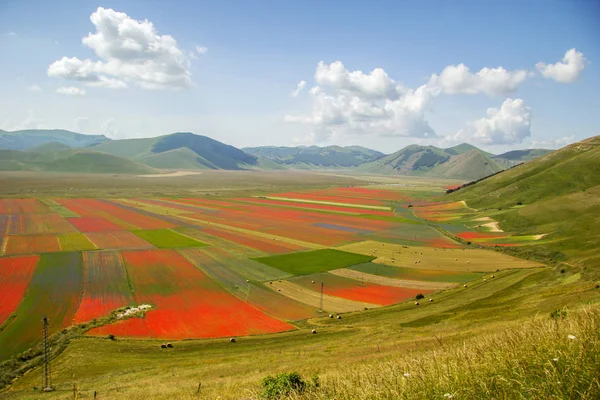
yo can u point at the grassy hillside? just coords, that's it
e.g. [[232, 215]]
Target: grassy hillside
[[460, 162], [180, 151], [74, 160], [27, 139], [557, 194]]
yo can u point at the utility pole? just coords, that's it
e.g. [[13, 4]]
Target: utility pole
[[46, 383], [322, 284]]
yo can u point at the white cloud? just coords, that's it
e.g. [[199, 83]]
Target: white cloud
[[510, 124], [377, 83], [565, 71], [81, 124], [12, 33], [299, 88], [552, 143], [70, 91], [109, 128], [34, 88], [128, 51], [201, 50], [491, 81]]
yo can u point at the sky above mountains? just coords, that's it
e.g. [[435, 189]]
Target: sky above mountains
[[499, 75]]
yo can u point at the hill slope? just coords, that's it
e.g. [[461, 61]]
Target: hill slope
[[73, 160], [317, 157], [560, 196], [180, 150], [27, 139], [460, 162]]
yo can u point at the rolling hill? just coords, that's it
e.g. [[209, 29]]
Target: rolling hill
[[181, 151], [70, 160], [557, 194], [27, 139], [459, 162], [315, 157]]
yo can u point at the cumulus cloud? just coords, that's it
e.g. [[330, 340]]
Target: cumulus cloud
[[70, 91], [34, 88], [565, 71], [491, 81], [552, 143], [201, 50], [299, 88], [377, 83], [509, 124], [128, 51]]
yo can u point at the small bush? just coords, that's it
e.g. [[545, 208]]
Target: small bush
[[558, 314], [562, 271], [420, 296], [284, 384], [111, 336]]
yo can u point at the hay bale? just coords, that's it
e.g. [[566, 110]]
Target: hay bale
[[493, 276], [330, 315], [163, 346], [456, 259], [312, 281], [339, 317], [247, 280], [416, 303], [468, 262], [314, 331], [465, 285], [169, 345], [232, 340], [485, 280], [431, 300]]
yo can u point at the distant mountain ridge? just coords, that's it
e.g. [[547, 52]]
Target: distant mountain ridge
[[314, 157], [60, 150], [26, 139]]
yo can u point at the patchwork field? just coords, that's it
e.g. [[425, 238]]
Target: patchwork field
[[210, 267]]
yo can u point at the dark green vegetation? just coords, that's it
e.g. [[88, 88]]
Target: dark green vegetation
[[311, 262], [557, 195], [315, 157], [27, 139], [168, 239]]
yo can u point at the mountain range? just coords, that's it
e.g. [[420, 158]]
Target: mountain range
[[60, 150]]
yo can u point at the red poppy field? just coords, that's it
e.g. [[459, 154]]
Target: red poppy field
[[80, 259]]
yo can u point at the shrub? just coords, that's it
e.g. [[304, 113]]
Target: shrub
[[558, 314], [284, 384], [111, 336], [420, 296], [562, 271]]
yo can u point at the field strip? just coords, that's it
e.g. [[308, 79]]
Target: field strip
[[298, 207], [300, 243], [155, 209], [312, 298], [329, 203], [382, 280]]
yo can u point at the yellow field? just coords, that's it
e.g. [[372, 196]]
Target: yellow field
[[470, 260]]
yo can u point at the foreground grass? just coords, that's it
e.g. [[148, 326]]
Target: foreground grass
[[542, 359]]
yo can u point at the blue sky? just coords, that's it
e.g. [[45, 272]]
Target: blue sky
[[140, 82]]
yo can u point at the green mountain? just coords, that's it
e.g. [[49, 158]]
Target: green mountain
[[557, 194], [459, 162], [315, 157], [70, 160], [181, 151], [27, 139]]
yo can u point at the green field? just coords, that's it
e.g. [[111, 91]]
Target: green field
[[311, 262], [168, 239]]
